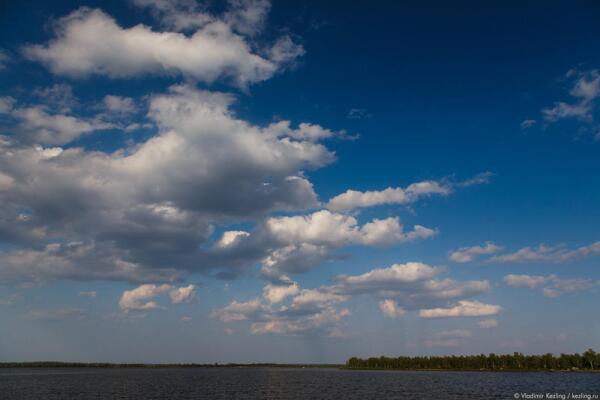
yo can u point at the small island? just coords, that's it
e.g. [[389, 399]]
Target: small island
[[587, 361]]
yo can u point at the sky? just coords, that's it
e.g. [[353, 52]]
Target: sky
[[247, 181]]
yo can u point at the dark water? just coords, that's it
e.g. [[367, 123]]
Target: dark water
[[280, 383]]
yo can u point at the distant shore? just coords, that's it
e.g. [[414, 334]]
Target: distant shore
[[60, 364]]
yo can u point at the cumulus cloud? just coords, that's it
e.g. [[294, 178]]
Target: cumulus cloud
[[142, 297], [290, 310], [552, 285], [463, 308], [88, 42], [306, 240], [325, 227], [139, 213], [390, 309], [277, 293], [352, 199], [309, 311], [468, 254]]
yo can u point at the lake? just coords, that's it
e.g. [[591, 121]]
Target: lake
[[286, 383]]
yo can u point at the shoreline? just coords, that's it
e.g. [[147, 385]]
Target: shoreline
[[60, 364]]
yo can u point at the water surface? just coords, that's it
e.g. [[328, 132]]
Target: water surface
[[283, 383]]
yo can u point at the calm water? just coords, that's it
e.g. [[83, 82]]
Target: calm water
[[279, 383]]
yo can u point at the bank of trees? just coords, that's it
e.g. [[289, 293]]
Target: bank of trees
[[589, 360]]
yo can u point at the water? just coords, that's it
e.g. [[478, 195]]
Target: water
[[284, 384]]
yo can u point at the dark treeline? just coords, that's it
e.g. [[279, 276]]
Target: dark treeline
[[59, 364], [589, 360]]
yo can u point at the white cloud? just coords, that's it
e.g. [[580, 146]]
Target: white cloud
[[41, 126], [149, 208], [230, 238], [119, 104], [487, 323], [467, 254], [238, 311], [182, 294], [142, 297], [463, 308], [352, 199], [88, 41], [586, 90], [335, 229], [390, 309], [277, 293], [397, 274], [304, 131]]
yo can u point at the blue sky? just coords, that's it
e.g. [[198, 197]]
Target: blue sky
[[246, 181]]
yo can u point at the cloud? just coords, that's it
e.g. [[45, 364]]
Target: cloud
[[468, 254], [291, 310], [488, 323], [277, 293], [90, 42], [325, 227], [528, 123], [238, 311], [142, 213], [557, 254], [39, 125], [585, 89], [390, 309], [58, 97], [411, 286], [463, 308], [308, 312], [119, 104], [141, 298], [306, 131], [528, 281], [303, 241], [90, 294], [553, 286], [352, 199], [182, 294]]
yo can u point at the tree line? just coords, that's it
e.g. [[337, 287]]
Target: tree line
[[589, 360]]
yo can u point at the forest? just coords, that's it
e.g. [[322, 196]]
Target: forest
[[589, 360]]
